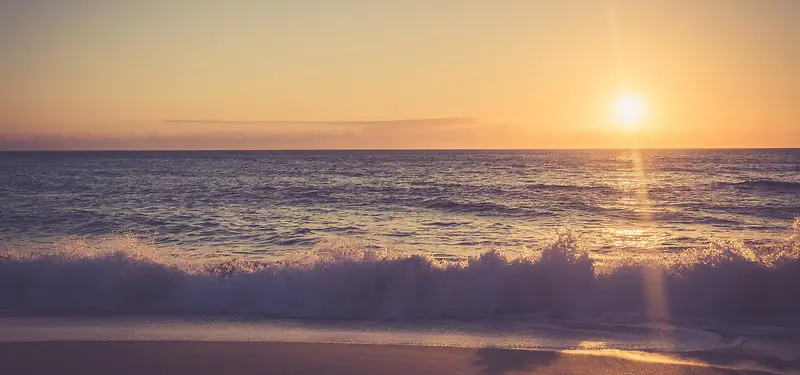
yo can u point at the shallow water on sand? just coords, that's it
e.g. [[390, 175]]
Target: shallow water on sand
[[549, 334]]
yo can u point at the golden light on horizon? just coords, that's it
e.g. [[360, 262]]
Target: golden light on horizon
[[629, 111], [607, 74]]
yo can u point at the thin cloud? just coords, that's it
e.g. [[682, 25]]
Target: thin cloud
[[369, 137], [452, 132], [436, 121]]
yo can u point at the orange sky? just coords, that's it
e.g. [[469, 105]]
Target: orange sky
[[111, 74]]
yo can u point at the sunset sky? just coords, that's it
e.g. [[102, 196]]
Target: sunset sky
[[331, 74]]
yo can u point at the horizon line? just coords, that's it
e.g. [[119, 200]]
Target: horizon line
[[405, 149]]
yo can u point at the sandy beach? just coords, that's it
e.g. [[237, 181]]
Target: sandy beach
[[159, 357]]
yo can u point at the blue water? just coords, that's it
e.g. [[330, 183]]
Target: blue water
[[404, 234]]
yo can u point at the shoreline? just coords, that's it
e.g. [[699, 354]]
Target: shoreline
[[215, 357]]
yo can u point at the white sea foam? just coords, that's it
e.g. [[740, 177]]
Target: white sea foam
[[724, 282]]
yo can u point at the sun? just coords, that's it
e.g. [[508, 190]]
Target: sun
[[628, 111]]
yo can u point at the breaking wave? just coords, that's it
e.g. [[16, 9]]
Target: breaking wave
[[340, 279]]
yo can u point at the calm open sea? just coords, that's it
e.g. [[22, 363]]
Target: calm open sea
[[443, 202]]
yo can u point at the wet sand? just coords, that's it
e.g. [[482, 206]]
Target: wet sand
[[165, 357]]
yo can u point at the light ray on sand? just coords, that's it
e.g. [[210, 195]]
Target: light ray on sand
[[656, 298], [638, 356]]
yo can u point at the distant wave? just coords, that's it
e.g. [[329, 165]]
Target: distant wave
[[568, 187], [446, 204], [725, 281], [766, 184]]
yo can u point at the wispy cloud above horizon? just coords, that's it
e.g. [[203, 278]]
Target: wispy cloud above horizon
[[443, 132], [433, 121]]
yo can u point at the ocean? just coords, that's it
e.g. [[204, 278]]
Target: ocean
[[612, 236], [262, 204]]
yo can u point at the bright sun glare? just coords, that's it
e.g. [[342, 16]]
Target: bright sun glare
[[629, 111]]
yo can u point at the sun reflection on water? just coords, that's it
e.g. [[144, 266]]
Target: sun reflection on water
[[631, 238], [653, 279]]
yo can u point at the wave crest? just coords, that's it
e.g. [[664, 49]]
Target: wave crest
[[342, 279], [767, 184]]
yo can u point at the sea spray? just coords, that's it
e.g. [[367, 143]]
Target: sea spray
[[344, 279]]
